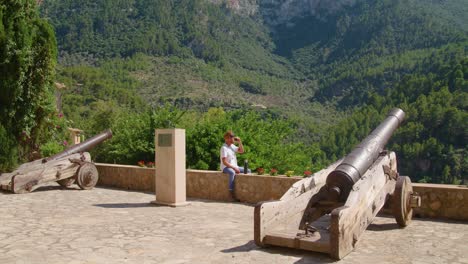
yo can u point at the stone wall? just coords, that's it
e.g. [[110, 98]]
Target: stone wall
[[254, 189], [442, 201], [126, 177], [211, 185], [438, 200]]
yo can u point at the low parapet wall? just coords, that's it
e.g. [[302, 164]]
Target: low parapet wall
[[442, 201], [126, 177], [211, 185], [438, 200]]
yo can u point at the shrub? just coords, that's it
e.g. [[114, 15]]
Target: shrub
[[289, 173], [132, 140], [252, 88], [51, 148], [8, 151], [201, 165], [266, 138]]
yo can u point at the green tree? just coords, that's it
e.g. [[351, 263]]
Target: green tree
[[27, 63]]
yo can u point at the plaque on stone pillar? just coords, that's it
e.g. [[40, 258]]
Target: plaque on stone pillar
[[165, 140], [170, 167]]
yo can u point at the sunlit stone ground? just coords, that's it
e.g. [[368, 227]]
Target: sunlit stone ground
[[55, 225]]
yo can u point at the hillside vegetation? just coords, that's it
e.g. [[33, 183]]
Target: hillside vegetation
[[330, 75], [185, 28], [367, 47], [431, 145]]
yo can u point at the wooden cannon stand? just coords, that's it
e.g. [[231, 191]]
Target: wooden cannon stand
[[65, 171], [304, 219]]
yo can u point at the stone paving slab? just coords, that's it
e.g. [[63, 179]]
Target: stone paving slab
[[55, 225]]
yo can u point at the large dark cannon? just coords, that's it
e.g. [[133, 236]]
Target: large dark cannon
[[67, 167], [341, 180], [83, 146], [329, 211]]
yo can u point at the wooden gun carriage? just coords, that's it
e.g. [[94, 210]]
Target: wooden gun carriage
[[66, 167], [329, 211]]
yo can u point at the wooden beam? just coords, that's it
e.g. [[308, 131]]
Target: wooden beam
[[365, 200], [318, 241], [290, 208]]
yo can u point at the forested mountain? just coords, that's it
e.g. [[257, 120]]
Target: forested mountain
[[184, 28], [367, 46], [432, 143], [331, 68], [195, 54], [330, 52]]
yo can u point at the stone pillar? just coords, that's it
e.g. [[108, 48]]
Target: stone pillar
[[75, 136], [170, 167]]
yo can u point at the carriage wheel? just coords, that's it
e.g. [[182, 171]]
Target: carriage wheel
[[401, 201], [87, 176]]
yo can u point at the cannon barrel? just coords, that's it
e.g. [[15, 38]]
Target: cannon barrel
[[341, 180], [83, 146]]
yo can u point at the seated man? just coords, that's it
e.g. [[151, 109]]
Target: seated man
[[229, 160]]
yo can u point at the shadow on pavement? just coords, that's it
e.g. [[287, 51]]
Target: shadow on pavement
[[48, 188], [190, 199], [58, 187], [383, 227], [305, 256], [124, 205], [122, 189], [243, 248]]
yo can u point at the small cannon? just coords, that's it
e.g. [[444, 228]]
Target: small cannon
[[66, 167], [329, 211]]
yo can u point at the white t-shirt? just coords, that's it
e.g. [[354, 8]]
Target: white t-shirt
[[228, 152]]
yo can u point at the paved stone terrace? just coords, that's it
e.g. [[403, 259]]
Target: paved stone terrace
[[55, 225]]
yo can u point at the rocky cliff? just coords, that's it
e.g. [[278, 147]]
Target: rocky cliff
[[243, 7], [276, 12]]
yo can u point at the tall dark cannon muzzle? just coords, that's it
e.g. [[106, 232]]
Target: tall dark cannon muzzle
[[84, 146], [341, 180]]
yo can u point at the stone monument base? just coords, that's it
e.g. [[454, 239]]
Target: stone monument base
[[181, 204]]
